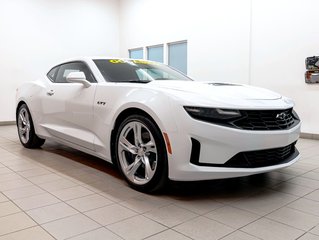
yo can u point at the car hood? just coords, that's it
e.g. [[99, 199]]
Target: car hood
[[243, 92]]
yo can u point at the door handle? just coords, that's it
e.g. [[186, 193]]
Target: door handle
[[50, 93]]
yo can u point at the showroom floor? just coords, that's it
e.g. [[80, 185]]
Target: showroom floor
[[60, 193]]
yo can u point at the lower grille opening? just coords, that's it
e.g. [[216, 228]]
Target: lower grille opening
[[262, 158], [249, 159]]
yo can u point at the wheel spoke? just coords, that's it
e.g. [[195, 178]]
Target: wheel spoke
[[148, 169], [137, 134], [22, 130], [27, 132], [150, 147], [26, 118], [132, 168], [128, 146], [21, 117]]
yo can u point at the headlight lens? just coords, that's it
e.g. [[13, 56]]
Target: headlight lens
[[212, 114], [295, 115]]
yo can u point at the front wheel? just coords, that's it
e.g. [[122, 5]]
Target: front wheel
[[26, 131], [141, 154]]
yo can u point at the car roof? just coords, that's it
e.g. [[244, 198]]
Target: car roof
[[90, 58]]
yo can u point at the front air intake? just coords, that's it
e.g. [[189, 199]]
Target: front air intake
[[195, 154]]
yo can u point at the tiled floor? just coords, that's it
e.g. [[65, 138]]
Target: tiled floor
[[60, 193]]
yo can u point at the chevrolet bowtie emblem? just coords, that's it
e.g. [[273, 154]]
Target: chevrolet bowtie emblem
[[281, 116]]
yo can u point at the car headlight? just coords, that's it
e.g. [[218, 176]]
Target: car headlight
[[295, 115], [212, 114]]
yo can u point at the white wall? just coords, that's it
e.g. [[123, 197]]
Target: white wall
[[261, 42], [217, 33], [35, 34], [284, 33]]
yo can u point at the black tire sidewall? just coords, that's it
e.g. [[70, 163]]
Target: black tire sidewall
[[160, 176]]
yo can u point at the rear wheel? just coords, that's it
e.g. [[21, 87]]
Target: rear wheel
[[26, 131], [141, 154]]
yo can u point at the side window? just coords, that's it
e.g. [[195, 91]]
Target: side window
[[53, 73], [67, 68]]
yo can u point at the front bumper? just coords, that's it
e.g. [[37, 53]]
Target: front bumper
[[219, 144]]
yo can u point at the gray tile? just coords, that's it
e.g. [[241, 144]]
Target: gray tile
[[199, 206], [136, 228], [309, 236], [15, 222], [7, 208], [315, 230], [35, 233], [3, 198], [168, 235], [14, 184], [232, 217], [34, 172], [203, 228], [70, 226], [306, 182], [312, 175], [313, 196], [294, 218], [264, 202], [306, 205], [36, 201], [238, 235], [89, 202], [58, 185], [44, 178], [98, 234], [269, 229], [110, 214], [51, 212], [10, 177], [142, 203], [170, 215], [72, 193], [293, 189], [24, 192]]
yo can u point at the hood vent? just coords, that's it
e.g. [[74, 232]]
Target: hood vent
[[223, 84]]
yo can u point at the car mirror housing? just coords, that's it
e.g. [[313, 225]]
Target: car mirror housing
[[78, 77]]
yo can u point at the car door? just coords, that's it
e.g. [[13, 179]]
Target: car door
[[68, 107]]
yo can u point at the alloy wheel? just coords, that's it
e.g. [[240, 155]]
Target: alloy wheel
[[24, 125], [137, 153]]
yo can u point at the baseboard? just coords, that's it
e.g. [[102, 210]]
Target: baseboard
[[309, 136], [5, 123]]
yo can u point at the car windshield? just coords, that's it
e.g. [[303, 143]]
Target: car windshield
[[140, 71]]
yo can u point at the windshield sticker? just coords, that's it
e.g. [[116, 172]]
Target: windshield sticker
[[116, 61], [138, 61]]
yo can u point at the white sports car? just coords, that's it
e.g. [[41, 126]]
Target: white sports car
[[155, 123]]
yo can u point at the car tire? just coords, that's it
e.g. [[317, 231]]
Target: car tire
[[26, 132], [140, 154]]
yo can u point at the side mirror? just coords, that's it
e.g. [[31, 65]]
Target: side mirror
[[78, 77]]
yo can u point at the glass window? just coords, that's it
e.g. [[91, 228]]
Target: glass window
[[140, 71], [136, 53], [67, 68], [53, 73], [177, 56], [155, 53]]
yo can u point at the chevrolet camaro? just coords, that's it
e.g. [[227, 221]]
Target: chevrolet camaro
[[155, 123]]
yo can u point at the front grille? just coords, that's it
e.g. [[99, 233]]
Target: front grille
[[266, 120], [262, 158]]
